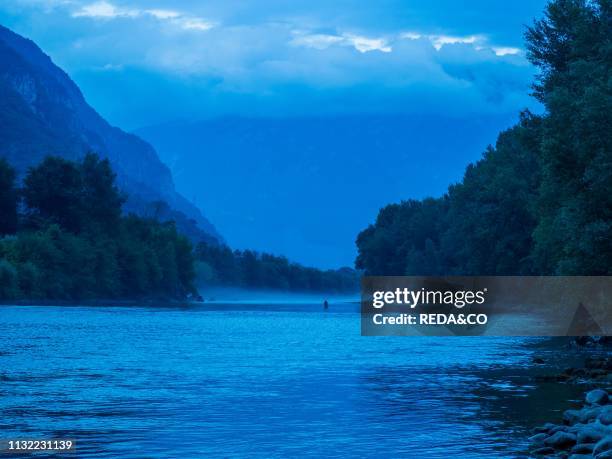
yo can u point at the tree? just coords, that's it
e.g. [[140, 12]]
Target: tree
[[540, 201], [78, 245], [489, 224], [571, 46], [53, 193], [101, 199], [8, 199]]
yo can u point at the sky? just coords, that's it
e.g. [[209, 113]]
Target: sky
[[146, 62]]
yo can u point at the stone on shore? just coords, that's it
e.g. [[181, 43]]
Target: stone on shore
[[583, 416], [538, 438], [583, 448], [592, 433], [544, 451], [605, 416], [560, 440], [597, 397], [543, 429], [603, 445]]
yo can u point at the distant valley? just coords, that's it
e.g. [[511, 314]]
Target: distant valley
[[305, 186]]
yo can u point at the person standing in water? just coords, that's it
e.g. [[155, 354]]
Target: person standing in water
[[325, 304]]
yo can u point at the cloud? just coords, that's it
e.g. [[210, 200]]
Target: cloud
[[106, 11], [505, 50], [365, 44], [233, 57], [438, 41], [112, 67], [317, 41], [323, 41], [194, 24], [164, 14]]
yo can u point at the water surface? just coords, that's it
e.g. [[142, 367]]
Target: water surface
[[262, 380]]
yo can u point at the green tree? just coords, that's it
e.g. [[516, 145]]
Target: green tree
[[572, 47], [8, 199], [101, 199], [8, 280], [53, 193]]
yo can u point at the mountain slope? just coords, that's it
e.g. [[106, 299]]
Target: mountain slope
[[305, 186], [43, 112]]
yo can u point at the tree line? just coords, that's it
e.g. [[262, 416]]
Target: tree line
[[63, 236], [540, 201], [220, 265]]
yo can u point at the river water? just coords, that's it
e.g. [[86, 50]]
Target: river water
[[257, 380]]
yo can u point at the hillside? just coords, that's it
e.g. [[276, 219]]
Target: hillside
[[305, 186], [43, 112]]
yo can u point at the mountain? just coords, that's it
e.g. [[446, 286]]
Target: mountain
[[43, 112], [305, 186]]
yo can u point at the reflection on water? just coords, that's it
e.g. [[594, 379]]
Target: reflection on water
[[261, 381]]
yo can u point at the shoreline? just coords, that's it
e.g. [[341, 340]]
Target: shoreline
[[585, 430]]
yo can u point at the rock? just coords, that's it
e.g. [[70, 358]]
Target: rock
[[538, 438], [597, 397], [583, 448], [581, 456], [591, 414], [583, 416], [560, 440], [571, 417], [605, 415], [556, 429], [538, 360], [603, 445], [540, 429], [545, 451], [605, 455], [591, 433]]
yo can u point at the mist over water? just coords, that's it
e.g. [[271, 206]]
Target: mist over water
[[252, 380], [230, 295]]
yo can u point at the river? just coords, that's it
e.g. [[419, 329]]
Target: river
[[263, 380]]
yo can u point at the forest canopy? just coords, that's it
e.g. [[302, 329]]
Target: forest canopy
[[67, 238], [64, 236], [220, 265]]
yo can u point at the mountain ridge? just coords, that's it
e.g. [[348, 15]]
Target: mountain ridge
[[42, 112]]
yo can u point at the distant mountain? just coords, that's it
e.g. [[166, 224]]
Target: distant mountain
[[305, 186], [43, 112]]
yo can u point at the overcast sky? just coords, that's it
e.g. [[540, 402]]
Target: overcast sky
[[142, 62]]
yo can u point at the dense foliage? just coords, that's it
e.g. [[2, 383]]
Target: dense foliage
[[8, 199], [72, 241], [540, 202], [219, 265]]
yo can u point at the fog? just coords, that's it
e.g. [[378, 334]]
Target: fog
[[226, 295]]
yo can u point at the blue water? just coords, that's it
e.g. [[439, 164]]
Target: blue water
[[260, 381]]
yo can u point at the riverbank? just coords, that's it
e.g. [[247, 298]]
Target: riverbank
[[584, 431]]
